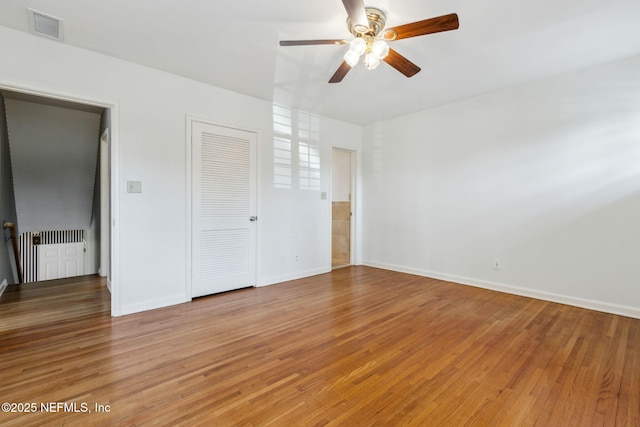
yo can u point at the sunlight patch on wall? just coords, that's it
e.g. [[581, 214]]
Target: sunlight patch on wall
[[296, 149], [281, 147], [309, 167]]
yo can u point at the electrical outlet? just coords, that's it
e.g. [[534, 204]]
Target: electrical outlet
[[297, 259], [497, 264]]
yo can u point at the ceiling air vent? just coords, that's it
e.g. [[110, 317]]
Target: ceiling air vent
[[45, 25]]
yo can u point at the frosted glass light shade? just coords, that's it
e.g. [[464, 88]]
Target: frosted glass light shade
[[351, 58], [380, 49], [358, 46], [371, 61]]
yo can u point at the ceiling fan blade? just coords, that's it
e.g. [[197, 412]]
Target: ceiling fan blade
[[310, 42], [421, 28], [357, 14], [401, 63], [342, 71]]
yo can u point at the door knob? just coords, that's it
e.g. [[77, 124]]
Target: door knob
[[253, 218]]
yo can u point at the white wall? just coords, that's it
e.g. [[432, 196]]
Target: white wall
[[545, 177], [299, 221], [54, 151], [341, 175], [152, 107]]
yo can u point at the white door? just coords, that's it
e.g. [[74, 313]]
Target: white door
[[60, 260], [223, 208]]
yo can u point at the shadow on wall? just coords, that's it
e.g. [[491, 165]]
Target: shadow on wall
[[7, 202]]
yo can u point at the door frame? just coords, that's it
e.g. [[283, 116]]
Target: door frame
[[105, 219], [189, 119], [354, 241], [115, 162]]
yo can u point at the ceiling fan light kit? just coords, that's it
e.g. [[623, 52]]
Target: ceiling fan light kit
[[366, 24], [373, 50]]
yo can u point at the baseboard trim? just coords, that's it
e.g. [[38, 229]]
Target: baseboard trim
[[610, 308], [3, 286], [293, 276], [152, 305]]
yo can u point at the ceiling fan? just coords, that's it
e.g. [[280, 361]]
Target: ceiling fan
[[370, 38]]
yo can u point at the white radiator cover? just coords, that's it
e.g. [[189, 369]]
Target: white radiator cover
[[60, 260], [30, 254]]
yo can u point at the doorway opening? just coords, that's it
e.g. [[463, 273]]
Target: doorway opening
[[342, 185], [92, 243]]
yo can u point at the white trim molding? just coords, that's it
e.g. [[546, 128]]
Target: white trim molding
[[153, 304], [293, 276]]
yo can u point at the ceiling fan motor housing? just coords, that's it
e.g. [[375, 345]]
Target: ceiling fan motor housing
[[377, 20]]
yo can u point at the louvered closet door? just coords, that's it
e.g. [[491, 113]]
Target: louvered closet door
[[224, 202]]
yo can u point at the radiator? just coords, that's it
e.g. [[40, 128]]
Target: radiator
[[29, 257]]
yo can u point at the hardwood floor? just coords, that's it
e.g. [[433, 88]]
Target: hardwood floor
[[338, 263], [55, 301], [358, 346]]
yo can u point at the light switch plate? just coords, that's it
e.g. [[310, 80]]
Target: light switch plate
[[134, 186]]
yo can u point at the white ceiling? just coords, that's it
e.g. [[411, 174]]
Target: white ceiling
[[234, 45]]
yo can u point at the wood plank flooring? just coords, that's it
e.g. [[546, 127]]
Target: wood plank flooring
[[356, 347]]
